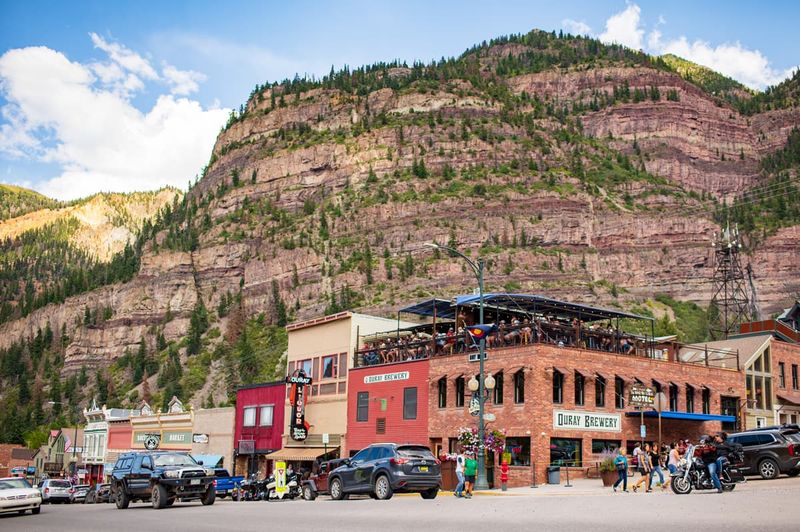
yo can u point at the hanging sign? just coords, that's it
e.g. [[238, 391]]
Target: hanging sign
[[152, 441], [474, 405], [298, 427], [642, 396]]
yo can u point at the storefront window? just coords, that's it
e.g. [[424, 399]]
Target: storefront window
[[599, 391], [520, 451], [605, 446], [565, 451], [249, 419]]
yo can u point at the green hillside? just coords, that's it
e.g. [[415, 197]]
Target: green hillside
[[16, 201]]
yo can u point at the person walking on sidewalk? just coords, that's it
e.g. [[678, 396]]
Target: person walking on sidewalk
[[460, 459], [470, 470], [674, 459], [655, 462], [621, 463], [645, 467]]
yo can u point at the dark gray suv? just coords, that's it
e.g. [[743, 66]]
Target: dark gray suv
[[382, 469], [770, 451]]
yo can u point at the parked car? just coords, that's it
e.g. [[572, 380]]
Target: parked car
[[17, 495], [225, 483], [382, 469], [99, 493], [161, 477], [55, 490], [770, 451], [79, 493], [317, 483]]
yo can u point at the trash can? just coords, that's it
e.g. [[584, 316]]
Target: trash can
[[554, 474]]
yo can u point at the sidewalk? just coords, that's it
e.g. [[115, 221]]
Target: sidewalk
[[578, 486]]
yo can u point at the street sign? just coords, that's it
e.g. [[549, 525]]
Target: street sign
[[641, 395], [326, 438], [280, 477], [489, 417], [642, 431]]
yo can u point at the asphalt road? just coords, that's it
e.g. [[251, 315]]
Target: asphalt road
[[753, 506]]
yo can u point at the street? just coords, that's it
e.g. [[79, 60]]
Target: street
[[757, 505]]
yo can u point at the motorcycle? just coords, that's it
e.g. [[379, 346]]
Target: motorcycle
[[252, 489], [291, 491], [693, 473]]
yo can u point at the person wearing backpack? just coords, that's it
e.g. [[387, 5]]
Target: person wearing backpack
[[621, 463]]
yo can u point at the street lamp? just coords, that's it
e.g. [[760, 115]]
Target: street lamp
[[74, 436], [477, 269]]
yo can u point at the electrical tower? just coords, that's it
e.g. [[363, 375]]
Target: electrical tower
[[730, 298]]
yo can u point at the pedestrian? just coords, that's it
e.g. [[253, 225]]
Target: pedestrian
[[645, 466], [470, 471], [656, 469], [621, 463], [674, 458], [637, 460], [459, 491]]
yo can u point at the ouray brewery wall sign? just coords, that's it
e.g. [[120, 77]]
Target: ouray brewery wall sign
[[571, 419], [298, 428]]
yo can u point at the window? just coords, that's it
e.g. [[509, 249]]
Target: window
[[656, 386], [794, 376], [599, 391], [442, 384], [519, 386], [361, 455], [619, 393], [329, 365], [565, 451], [362, 406], [558, 387], [520, 451], [409, 403], [673, 397], [460, 391], [579, 382], [689, 399], [497, 394], [249, 417], [761, 422], [265, 416], [781, 374], [605, 446], [306, 366], [729, 406], [706, 401]]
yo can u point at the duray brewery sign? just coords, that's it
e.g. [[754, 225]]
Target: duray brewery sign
[[298, 428], [574, 420]]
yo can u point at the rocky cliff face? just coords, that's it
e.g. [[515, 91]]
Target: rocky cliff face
[[334, 191]]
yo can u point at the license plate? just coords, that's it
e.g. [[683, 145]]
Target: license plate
[[423, 469], [195, 481]]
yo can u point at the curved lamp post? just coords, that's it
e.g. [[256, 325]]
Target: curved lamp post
[[477, 268]]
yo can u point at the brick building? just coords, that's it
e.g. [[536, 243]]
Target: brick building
[[535, 383], [387, 403], [786, 365]]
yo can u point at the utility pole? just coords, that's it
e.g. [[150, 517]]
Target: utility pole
[[730, 299]]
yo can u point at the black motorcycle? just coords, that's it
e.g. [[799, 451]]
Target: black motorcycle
[[252, 489], [693, 473]]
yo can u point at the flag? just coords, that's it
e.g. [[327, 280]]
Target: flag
[[479, 332]]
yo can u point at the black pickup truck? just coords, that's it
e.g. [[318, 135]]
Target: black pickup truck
[[160, 477]]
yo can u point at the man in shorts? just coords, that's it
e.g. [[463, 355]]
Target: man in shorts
[[470, 471]]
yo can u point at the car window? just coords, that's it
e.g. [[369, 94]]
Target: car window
[[14, 484], [60, 484], [361, 455], [764, 439], [417, 451], [175, 459], [147, 462], [221, 473], [374, 454], [792, 436], [746, 440]]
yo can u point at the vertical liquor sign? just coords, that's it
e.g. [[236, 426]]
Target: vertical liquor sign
[[298, 428]]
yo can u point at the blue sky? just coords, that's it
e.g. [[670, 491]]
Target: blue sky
[[95, 95]]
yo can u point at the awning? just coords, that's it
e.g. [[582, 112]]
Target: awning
[[442, 308], [299, 453], [555, 368], [601, 375], [209, 460], [789, 397], [684, 415]]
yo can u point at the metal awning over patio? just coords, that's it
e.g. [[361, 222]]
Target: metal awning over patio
[[441, 308], [689, 416], [536, 304]]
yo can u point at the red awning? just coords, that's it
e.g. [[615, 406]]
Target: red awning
[[789, 397]]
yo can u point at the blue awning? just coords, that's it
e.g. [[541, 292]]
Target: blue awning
[[690, 416], [443, 308], [209, 460]]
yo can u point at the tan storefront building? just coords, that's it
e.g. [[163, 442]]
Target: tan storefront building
[[173, 428], [212, 436]]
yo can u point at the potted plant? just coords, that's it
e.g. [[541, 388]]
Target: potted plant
[[608, 471]]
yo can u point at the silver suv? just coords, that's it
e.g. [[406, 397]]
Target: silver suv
[[55, 490]]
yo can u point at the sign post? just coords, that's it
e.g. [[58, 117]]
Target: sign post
[[642, 397], [660, 401], [326, 439]]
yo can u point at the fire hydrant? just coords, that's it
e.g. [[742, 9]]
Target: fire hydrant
[[504, 475]]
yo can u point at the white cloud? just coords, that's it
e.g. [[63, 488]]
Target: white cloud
[[183, 82], [623, 28], [80, 117], [576, 27]]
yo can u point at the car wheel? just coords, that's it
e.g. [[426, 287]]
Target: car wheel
[[159, 497], [383, 489], [430, 494], [121, 498], [793, 472], [170, 502], [337, 490], [37, 510], [373, 496], [768, 469], [210, 496], [308, 493]]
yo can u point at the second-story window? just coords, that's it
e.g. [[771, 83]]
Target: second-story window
[[558, 386], [442, 389], [498, 389], [781, 374], [673, 397], [599, 391], [706, 401], [329, 366], [460, 391], [249, 418], [619, 392], [519, 386], [689, 398], [579, 388], [265, 416]]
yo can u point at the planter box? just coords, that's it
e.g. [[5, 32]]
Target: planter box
[[609, 477]]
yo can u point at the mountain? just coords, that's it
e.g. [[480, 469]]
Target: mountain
[[709, 80], [16, 201], [579, 170]]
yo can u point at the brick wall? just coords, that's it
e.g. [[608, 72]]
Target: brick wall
[[534, 417], [789, 355], [388, 394]]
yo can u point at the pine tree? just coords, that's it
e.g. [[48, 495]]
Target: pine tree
[[248, 362]]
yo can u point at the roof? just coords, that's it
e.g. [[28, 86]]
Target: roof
[[789, 397], [262, 385], [23, 453], [535, 303], [299, 453], [316, 321], [441, 307], [746, 345]]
